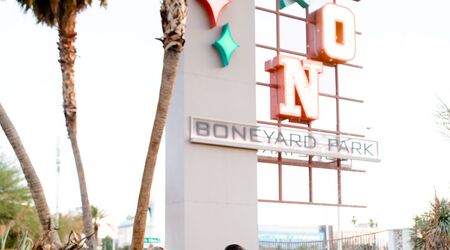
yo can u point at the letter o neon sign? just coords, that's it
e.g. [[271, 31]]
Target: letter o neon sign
[[332, 38]]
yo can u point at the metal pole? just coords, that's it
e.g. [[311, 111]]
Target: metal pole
[[58, 170], [339, 233]]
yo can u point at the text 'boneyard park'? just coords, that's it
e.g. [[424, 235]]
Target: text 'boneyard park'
[[282, 140]]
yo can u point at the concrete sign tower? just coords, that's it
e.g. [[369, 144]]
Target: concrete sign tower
[[211, 192]]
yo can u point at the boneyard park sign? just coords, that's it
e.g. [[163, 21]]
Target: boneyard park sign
[[282, 140]]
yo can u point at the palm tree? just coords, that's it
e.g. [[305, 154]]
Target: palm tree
[[173, 21], [438, 234], [49, 234], [432, 229], [62, 14]]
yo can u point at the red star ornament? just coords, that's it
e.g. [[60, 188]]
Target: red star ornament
[[214, 8]]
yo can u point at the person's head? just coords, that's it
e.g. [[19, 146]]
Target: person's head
[[234, 247]]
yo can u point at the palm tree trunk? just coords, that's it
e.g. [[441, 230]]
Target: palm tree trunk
[[67, 54], [171, 59], [173, 21], [50, 235]]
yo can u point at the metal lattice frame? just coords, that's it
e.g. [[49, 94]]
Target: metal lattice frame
[[310, 163]]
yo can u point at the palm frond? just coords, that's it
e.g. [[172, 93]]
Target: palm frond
[[437, 235], [26, 4], [442, 118], [45, 11], [432, 229], [51, 12], [82, 4]]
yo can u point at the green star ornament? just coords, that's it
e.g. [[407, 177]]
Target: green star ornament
[[285, 3], [225, 45]]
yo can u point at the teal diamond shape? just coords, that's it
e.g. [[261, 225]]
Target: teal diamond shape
[[225, 45], [285, 3]]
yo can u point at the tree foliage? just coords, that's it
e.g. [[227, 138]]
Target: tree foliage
[[432, 229], [107, 243], [13, 193], [50, 12], [68, 223], [16, 211], [27, 223]]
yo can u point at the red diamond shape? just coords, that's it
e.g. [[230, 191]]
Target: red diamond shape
[[214, 8]]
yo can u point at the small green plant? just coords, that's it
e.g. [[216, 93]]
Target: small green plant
[[25, 243], [4, 232]]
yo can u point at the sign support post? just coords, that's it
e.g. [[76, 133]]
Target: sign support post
[[211, 191]]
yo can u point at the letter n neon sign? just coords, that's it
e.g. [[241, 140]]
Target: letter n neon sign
[[294, 88]]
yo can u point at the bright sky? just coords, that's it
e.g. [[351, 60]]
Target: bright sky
[[117, 83], [404, 50]]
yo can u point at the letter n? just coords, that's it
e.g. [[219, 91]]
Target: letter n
[[294, 88]]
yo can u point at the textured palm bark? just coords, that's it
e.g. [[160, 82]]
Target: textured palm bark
[[50, 236], [173, 21], [171, 59], [67, 54]]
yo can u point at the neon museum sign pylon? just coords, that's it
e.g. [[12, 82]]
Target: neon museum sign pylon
[[295, 97]]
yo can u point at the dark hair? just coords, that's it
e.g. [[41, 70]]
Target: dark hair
[[234, 247]]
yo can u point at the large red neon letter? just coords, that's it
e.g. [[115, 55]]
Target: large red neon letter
[[296, 95], [333, 35]]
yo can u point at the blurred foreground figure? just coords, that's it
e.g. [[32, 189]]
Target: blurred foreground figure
[[234, 247]]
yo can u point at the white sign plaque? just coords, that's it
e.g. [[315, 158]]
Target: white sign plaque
[[273, 138]]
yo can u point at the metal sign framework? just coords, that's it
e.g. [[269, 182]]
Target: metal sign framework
[[310, 163]]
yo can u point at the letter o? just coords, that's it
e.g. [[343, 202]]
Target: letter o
[[219, 127], [333, 37]]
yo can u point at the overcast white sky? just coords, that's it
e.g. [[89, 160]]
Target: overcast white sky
[[117, 80], [117, 83]]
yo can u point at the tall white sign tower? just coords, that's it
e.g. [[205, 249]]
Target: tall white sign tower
[[211, 192]]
